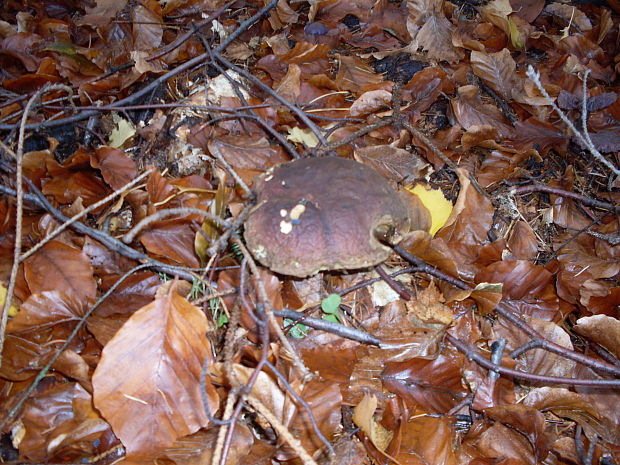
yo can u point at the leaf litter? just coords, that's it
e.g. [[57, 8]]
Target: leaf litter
[[497, 314]]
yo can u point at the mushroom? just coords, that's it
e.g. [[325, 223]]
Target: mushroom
[[318, 214]]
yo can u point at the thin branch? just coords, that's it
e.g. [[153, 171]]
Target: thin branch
[[84, 212], [583, 138], [563, 193], [38, 199], [474, 355], [257, 82], [20, 206], [330, 327], [281, 430], [245, 25], [262, 296], [503, 310], [129, 237]]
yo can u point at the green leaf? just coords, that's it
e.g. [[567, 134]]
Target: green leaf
[[332, 318], [222, 319], [298, 331], [331, 303]]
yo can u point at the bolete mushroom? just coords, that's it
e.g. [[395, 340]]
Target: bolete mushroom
[[319, 214]]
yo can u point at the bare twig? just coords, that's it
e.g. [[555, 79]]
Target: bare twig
[[245, 25], [129, 237], [563, 193], [474, 355], [330, 327], [584, 137], [503, 310], [19, 206], [84, 212], [282, 430]]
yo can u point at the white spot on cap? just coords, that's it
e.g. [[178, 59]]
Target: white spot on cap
[[283, 213], [297, 211], [285, 227]]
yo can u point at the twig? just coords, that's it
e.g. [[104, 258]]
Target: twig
[[84, 212], [157, 82], [281, 429], [129, 237], [262, 295], [395, 285], [517, 321], [563, 193], [330, 327], [583, 138], [187, 35], [110, 242], [19, 207], [217, 154], [471, 354], [257, 82]]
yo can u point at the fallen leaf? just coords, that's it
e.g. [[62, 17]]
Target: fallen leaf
[[147, 383]]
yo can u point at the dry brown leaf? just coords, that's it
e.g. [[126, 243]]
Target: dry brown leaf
[[433, 386], [370, 102], [498, 70], [116, 168], [429, 307], [59, 267], [147, 384], [354, 74], [603, 330], [61, 420]]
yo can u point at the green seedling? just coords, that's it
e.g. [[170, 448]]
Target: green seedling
[[330, 306], [298, 331]]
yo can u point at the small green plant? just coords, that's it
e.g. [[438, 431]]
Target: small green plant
[[330, 306], [199, 289], [216, 312], [298, 331]]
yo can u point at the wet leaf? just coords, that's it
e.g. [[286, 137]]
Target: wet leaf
[[59, 267], [159, 351]]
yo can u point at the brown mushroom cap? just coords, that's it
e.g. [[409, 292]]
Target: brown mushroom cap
[[320, 214]]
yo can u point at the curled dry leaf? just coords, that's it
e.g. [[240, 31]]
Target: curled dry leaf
[[147, 384], [393, 163], [431, 385], [575, 406], [603, 330], [61, 420], [370, 102], [363, 416]]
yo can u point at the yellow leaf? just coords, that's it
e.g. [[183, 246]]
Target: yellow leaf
[[363, 416], [515, 35], [12, 310], [123, 131], [435, 203], [302, 135]]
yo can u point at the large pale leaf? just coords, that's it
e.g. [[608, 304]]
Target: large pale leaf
[[147, 384]]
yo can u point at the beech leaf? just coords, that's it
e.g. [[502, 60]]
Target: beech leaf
[[147, 384]]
